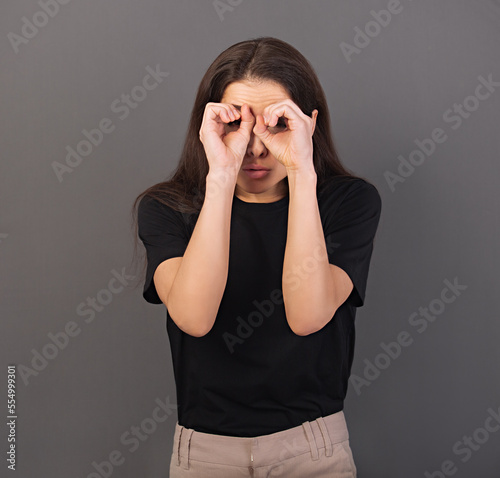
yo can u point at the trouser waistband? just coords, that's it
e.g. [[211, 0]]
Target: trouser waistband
[[310, 437]]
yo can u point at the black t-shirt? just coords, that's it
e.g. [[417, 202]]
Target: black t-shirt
[[251, 375]]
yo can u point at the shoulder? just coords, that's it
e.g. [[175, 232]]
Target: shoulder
[[353, 190], [146, 202], [150, 207], [154, 213], [153, 205]]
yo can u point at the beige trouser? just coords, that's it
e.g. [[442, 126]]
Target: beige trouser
[[316, 449]]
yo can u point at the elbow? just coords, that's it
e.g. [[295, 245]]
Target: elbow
[[301, 327], [198, 330], [196, 327], [309, 326], [302, 331]]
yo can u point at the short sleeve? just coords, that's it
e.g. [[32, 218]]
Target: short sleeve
[[350, 232], [163, 232]]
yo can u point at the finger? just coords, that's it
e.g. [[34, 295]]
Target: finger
[[288, 109], [261, 131], [247, 119], [214, 119], [225, 114], [221, 114], [277, 111], [220, 111], [235, 113]]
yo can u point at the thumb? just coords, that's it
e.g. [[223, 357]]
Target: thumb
[[261, 131], [247, 120]]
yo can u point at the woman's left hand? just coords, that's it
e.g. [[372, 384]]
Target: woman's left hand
[[289, 142]]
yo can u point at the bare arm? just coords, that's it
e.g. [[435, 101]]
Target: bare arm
[[197, 288], [313, 289]]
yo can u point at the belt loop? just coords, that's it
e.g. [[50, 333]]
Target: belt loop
[[326, 436], [185, 448], [311, 440], [181, 428]]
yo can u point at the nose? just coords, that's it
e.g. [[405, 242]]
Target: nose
[[256, 147]]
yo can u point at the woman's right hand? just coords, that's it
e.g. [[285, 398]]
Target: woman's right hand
[[225, 145]]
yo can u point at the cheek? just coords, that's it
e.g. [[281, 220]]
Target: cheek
[[280, 169]]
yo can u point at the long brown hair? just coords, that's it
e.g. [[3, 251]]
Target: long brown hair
[[262, 58]]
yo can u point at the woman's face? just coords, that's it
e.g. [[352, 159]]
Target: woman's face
[[271, 186]]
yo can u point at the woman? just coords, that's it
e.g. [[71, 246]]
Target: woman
[[259, 246]]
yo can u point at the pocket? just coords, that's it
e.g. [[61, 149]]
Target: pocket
[[348, 455]]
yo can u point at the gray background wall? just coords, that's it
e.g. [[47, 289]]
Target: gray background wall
[[63, 238]]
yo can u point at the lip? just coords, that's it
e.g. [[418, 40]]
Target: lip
[[256, 167], [257, 174]]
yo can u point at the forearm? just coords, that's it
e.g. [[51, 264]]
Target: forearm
[[307, 280], [199, 284]]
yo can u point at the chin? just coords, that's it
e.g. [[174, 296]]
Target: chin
[[256, 186]]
